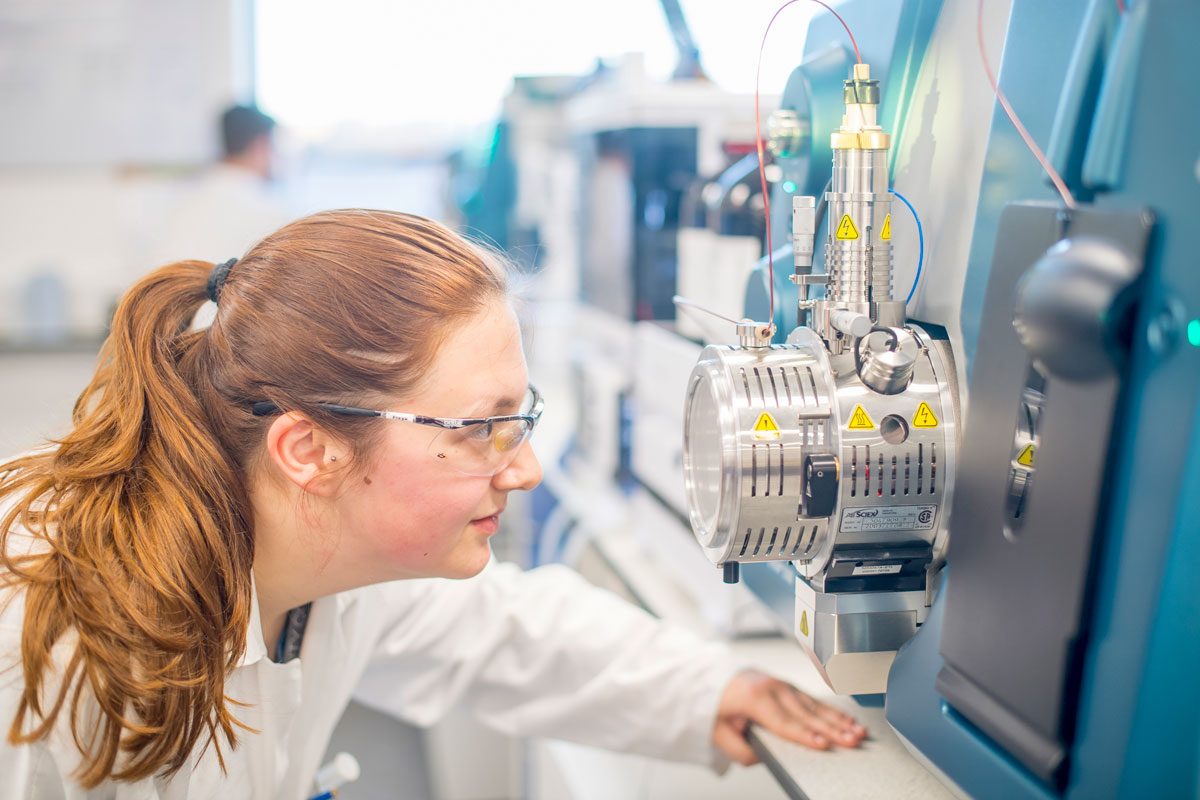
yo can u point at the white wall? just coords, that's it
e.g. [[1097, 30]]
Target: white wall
[[106, 107]]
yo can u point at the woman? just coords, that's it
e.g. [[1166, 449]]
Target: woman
[[229, 493]]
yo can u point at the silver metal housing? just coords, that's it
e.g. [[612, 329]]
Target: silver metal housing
[[835, 452], [744, 486], [752, 418]]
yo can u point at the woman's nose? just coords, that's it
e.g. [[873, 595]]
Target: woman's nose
[[525, 472]]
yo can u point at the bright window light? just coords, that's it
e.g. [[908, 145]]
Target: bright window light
[[441, 68]]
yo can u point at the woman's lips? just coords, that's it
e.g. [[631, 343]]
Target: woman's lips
[[487, 525]]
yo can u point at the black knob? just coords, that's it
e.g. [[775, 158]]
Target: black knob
[[1074, 308], [731, 571]]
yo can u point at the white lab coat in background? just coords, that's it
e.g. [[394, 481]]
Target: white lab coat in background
[[217, 216], [538, 653]]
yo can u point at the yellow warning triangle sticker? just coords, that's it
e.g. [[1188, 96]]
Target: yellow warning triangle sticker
[[1026, 457], [846, 229], [804, 623], [925, 418], [765, 427], [859, 421], [887, 228]]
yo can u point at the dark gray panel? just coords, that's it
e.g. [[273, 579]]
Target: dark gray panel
[[1012, 628]]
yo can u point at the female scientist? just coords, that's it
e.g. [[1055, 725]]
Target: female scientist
[[203, 572]]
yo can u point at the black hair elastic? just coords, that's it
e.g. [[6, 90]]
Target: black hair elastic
[[217, 278]]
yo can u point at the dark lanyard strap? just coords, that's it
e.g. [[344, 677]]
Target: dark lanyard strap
[[292, 636]]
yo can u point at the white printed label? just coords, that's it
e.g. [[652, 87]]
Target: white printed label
[[888, 518], [878, 569]]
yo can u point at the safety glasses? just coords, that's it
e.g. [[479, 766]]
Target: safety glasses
[[480, 446]]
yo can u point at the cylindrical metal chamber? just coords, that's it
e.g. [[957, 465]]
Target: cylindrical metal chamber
[[788, 455]]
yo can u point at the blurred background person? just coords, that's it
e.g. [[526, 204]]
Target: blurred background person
[[232, 204]]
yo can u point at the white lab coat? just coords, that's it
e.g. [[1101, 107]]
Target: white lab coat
[[530, 653]]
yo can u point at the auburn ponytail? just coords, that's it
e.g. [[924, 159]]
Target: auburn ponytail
[[147, 550], [143, 526]]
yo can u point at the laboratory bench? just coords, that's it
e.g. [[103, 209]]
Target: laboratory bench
[[881, 768]]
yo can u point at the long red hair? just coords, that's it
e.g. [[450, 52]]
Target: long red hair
[[143, 529]]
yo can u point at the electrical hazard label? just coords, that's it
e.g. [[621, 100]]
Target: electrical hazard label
[[846, 229], [886, 233], [860, 420], [765, 428], [925, 418], [804, 623], [1026, 457]]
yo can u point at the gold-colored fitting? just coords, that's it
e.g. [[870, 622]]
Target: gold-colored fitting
[[860, 140]]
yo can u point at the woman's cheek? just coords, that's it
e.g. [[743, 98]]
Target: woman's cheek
[[420, 527]]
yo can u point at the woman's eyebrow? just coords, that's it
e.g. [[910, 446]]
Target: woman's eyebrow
[[495, 406]]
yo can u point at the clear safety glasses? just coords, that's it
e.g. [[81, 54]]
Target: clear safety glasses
[[481, 446]]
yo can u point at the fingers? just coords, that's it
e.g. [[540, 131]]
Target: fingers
[[794, 725], [819, 718], [733, 744], [837, 718], [785, 711]]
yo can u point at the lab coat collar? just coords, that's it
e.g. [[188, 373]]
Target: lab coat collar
[[256, 648]]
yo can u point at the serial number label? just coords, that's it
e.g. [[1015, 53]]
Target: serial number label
[[888, 518], [878, 569]]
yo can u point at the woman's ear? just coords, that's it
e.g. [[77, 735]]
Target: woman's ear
[[305, 455]]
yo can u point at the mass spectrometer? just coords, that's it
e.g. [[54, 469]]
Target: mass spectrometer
[[834, 450], [1051, 657]]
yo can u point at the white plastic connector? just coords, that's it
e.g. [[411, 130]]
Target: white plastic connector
[[861, 116], [804, 230], [341, 770]]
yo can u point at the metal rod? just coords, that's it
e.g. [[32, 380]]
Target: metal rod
[[683, 302]]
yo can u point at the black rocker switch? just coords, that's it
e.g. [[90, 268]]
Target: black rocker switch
[[820, 484]]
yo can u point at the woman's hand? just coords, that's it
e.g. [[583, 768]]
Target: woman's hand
[[782, 709]]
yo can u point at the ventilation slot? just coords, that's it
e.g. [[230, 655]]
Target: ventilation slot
[[867, 472], [812, 382], [920, 466], [745, 543], [771, 544], [881, 474], [932, 468], [762, 393], [787, 387], [774, 388], [854, 470], [757, 545], [893, 476], [786, 535], [800, 387], [782, 471], [754, 470], [767, 458], [907, 470], [812, 537], [745, 384]]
